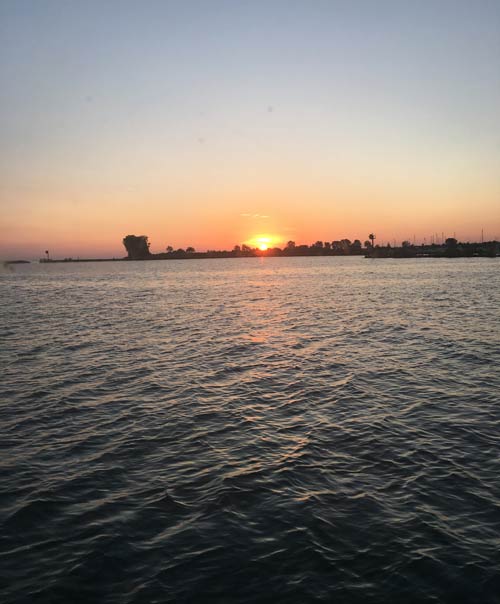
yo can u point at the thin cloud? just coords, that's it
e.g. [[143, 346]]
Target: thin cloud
[[247, 215]]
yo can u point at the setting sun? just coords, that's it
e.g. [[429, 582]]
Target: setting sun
[[263, 242]]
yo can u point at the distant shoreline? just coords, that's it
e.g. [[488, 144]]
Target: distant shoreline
[[200, 256], [138, 248], [70, 260], [88, 260], [452, 249]]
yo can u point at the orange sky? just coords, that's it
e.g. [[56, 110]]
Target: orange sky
[[216, 213], [209, 127]]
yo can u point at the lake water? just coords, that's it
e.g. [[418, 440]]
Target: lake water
[[257, 430]]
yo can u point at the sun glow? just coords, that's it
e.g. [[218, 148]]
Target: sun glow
[[263, 242]]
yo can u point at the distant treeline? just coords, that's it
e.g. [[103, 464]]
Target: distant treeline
[[138, 248], [451, 248]]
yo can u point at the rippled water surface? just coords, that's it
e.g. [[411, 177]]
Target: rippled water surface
[[275, 430]]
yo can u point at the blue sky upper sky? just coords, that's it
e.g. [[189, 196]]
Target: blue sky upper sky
[[186, 120]]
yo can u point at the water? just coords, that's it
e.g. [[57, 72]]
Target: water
[[276, 430]]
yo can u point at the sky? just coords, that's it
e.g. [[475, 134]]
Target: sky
[[210, 123]]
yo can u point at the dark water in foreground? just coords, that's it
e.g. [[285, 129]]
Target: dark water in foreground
[[285, 430]]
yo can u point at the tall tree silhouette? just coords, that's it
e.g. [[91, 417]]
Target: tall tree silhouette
[[137, 247]]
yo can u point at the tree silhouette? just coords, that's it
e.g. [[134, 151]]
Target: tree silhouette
[[137, 247], [451, 247], [345, 246], [371, 237], [356, 246]]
